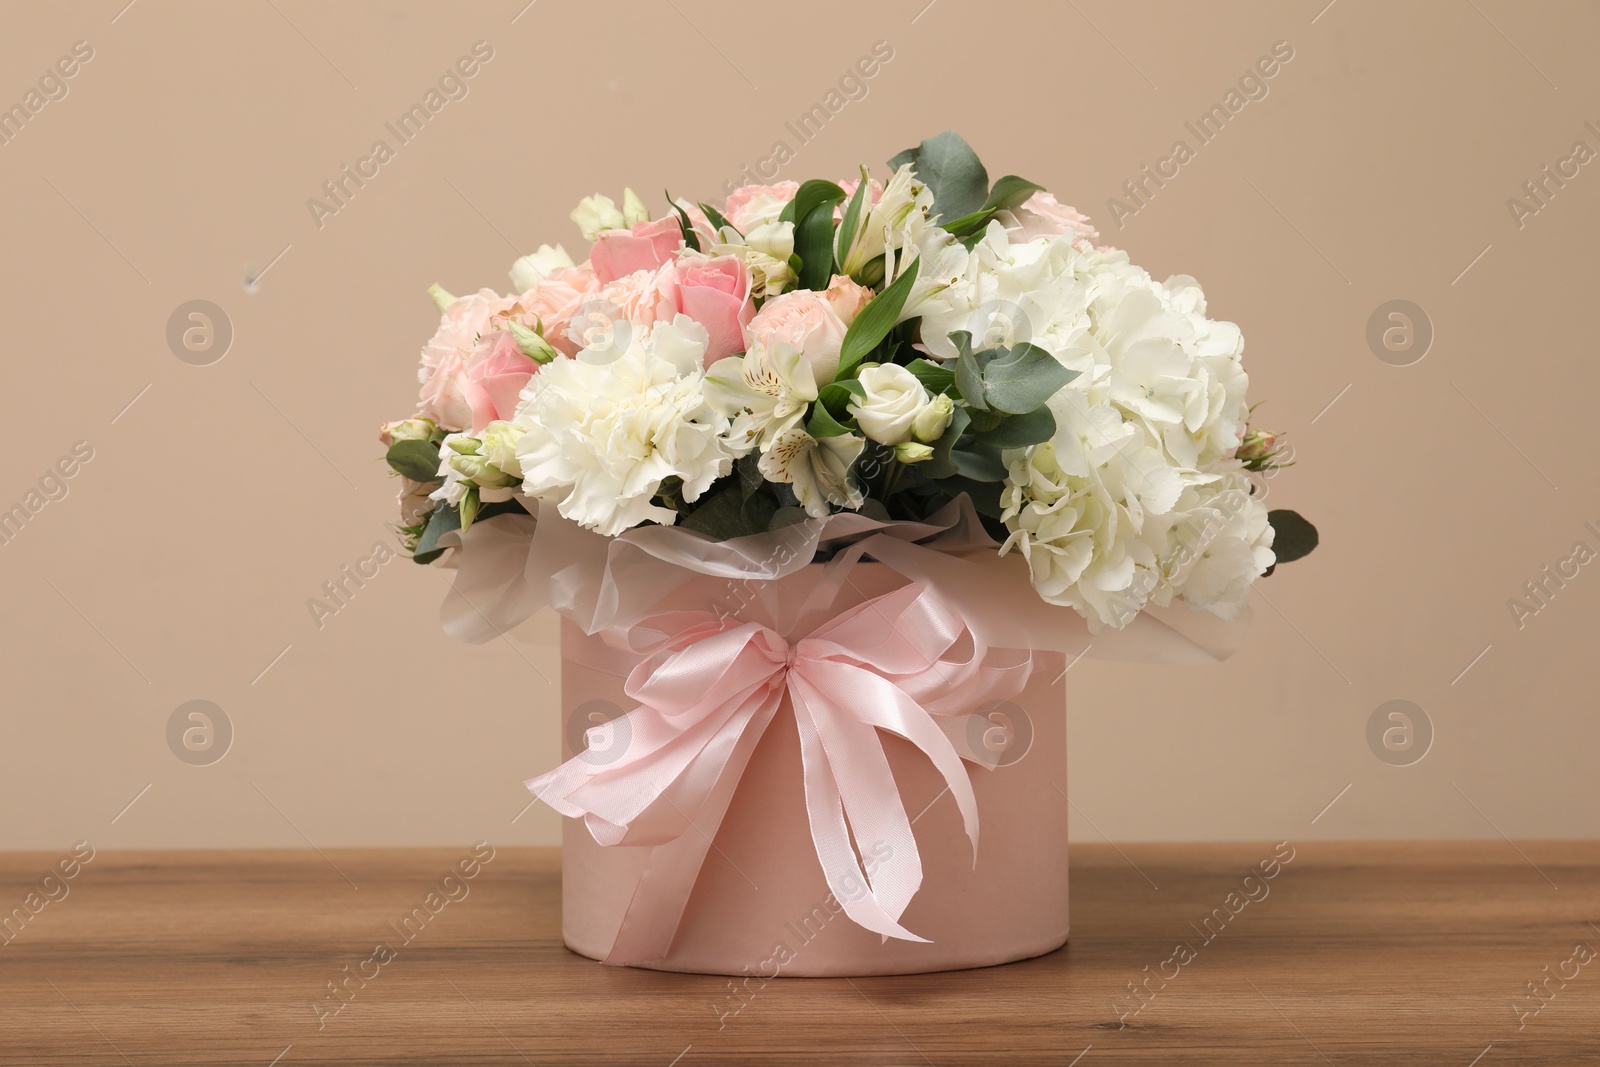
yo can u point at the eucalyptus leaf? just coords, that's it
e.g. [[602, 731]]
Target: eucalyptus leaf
[[445, 519], [1008, 193], [726, 514], [1020, 431], [949, 167], [969, 376], [978, 463], [416, 459], [1019, 379]]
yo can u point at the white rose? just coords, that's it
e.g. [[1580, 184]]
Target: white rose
[[530, 270], [596, 213], [893, 400]]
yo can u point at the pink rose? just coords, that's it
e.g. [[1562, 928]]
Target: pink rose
[[716, 294], [750, 205], [642, 299], [495, 376], [1042, 215], [443, 397], [443, 370], [713, 292], [805, 320], [459, 327], [646, 246], [555, 300], [846, 297]]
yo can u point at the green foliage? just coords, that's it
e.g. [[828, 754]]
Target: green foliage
[[935, 378], [949, 167], [813, 232], [1008, 193], [416, 459], [873, 323], [1013, 380]]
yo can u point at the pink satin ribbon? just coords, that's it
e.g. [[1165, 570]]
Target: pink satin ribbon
[[708, 687]]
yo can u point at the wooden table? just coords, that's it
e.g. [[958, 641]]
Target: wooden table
[[1359, 954]]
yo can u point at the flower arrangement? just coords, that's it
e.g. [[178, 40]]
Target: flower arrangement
[[881, 346]]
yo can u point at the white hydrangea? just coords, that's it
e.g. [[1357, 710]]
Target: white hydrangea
[[604, 431], [1135, 500]]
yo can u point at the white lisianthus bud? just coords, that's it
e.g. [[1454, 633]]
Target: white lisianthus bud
[[912, 452], [531, 269], [931, 421], [462, 445], [633, 209], [441, 297], [596, 213], [416, 429], [498, 447], [893, 398]]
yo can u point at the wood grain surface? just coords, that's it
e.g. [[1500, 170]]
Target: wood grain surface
[[1352, 954]]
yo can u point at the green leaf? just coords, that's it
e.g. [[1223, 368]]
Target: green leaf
[[1292, 536], [852, 216], [416, 459], [690, 238], [873, 323], [715, 217], [445, 519], [823, 424], [948, 166], [836, 396], [813, 232], [748, 467], [726, 513], [934, 377], [1019, 379], [978, 463], [1020, 431], [1008, 193], [969, 375]]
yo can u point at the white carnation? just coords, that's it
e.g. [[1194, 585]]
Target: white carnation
[[605, 430]]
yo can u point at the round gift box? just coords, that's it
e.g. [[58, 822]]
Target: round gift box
[[761, 905]]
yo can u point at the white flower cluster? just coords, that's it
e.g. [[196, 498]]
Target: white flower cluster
[[602, 433], [622, 390], [1136, 499]]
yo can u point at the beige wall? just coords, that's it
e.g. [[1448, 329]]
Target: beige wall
[[180, 563]]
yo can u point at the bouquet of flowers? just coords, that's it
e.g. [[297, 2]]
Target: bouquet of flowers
[[877, 345]]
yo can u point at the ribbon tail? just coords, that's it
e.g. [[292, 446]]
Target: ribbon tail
[[830, 834], [662, 893]]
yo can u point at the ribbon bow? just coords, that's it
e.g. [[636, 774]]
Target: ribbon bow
[[709, 687]]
